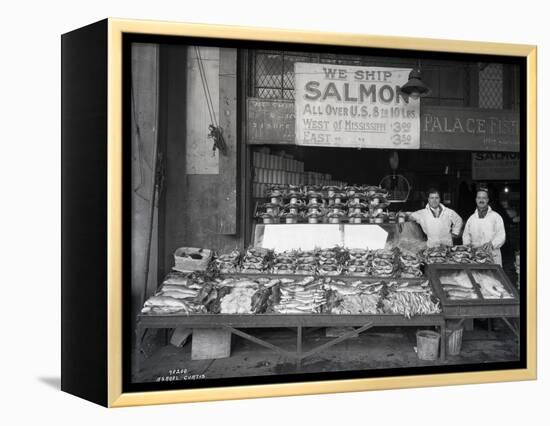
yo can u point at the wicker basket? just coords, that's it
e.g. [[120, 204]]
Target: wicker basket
[[185, 262], [454, 339]]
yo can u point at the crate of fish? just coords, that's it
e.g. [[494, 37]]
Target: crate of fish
[[474, 290]]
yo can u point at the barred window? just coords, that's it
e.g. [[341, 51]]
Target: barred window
[[274, 71], [273, 74], [491, 86]]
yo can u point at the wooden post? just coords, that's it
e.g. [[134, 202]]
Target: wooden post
[[227, 188], [299, 347]]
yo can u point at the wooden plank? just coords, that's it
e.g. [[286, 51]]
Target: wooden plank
[[227, 188], [173, 138], [283, 320], [211, 343], [180, 336], [245, 159], [144, 136], [483, 311], [199, 217]]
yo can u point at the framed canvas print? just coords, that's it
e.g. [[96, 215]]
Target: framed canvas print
[[250, 212]]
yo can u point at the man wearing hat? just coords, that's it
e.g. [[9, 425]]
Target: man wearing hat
[[485, 228], [439, 223]]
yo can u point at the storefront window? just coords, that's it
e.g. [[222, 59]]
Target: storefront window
[[450, 83]]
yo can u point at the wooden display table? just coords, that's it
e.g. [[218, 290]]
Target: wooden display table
[[234, 323]]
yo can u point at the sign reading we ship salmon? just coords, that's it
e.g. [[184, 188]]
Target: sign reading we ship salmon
[[352, 106]]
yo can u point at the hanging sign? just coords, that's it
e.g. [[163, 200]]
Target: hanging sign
[[270, 121], [471, 129], [353, 106], [495, 166]]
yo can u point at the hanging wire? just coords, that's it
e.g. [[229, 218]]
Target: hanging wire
[[215, 131], [205, 87]]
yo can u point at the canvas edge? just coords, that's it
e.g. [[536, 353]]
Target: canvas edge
[[116, 28]]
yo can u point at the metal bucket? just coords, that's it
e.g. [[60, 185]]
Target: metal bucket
[[427, 344]]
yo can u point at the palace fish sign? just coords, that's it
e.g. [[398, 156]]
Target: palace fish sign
[[352, 106], [471, 129]]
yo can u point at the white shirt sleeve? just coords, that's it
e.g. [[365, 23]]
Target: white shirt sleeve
[[456, 222], [500, 234], [417, 217], [466, 236]]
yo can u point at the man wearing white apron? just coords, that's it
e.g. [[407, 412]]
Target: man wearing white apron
[[439, 223], [485, 228]]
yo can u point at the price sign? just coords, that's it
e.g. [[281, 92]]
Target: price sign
[[351, 106]]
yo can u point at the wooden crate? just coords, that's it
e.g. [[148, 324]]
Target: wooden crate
[[210, 343]]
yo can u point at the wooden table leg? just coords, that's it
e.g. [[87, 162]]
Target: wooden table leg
[[511, 326], [298, 347], [137, 351], [443, 340]]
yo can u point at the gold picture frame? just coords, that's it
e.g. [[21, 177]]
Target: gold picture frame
[[116, 28]]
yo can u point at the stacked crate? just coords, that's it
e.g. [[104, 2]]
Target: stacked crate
[[271, 169]]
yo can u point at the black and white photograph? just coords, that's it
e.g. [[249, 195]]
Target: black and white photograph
[[320, 212], [264, 212]]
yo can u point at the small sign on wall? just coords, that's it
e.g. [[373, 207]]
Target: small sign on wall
[[270, 121], [495, 165]]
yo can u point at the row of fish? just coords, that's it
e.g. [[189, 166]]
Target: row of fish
[[299, 297], [397, 298], [458, 286], [181, 294]]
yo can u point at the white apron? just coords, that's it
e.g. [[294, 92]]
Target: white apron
[[438, 229], [490, 229]]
